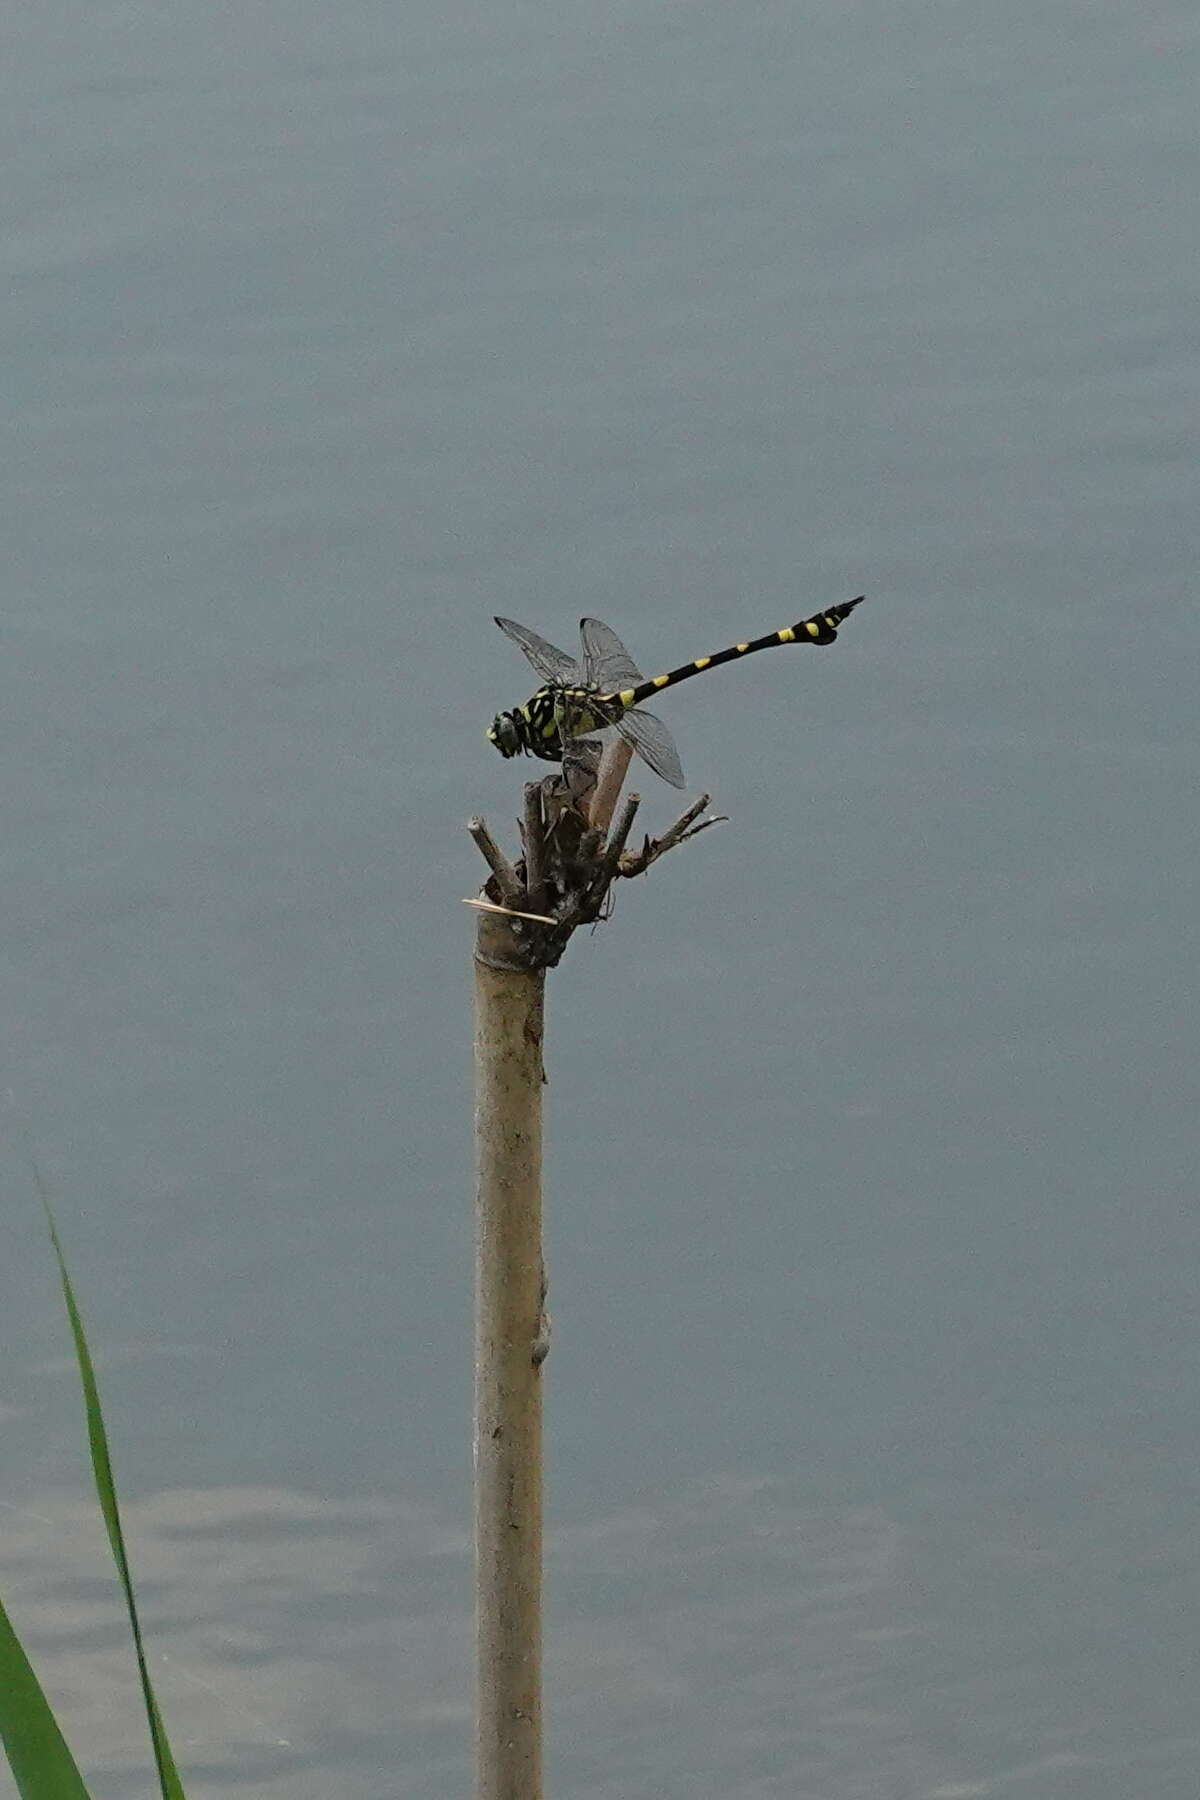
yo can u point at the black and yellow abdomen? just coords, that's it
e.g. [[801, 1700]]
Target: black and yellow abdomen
[[820, 629]]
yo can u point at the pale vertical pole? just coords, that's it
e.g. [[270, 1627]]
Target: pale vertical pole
[[509, 1348]]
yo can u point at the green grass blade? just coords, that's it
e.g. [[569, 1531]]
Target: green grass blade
[[42, 1766], [168, 1775]]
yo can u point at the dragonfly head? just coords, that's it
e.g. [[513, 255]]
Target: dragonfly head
[[506, 734]]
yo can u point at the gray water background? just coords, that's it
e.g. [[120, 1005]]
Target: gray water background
[[872, 1119]]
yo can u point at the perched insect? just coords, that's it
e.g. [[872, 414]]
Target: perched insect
[[603, 687]]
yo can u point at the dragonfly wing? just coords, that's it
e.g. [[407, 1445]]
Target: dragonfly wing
[[550, 662], [607, 664], [653, 743]]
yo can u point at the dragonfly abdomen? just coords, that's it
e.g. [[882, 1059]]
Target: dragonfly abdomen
[[820, 629]]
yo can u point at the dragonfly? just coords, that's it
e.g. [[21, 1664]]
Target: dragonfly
[[602, 688]]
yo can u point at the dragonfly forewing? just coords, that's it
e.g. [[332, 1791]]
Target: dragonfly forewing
[[549, 661], [606, 664]]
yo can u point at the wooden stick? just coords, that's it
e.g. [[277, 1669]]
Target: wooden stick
[[509, 1347], [535, 847], [511, 891], [510, 912], [569, 870], [607, 867], [614, 765], [684, 828]]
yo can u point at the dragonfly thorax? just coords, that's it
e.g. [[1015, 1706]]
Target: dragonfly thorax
[[550, 719]]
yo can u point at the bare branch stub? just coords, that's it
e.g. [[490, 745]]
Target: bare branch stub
[[636, 862], [620, 836], [610, 778], [567, 872], [534, 835], [510, 889]]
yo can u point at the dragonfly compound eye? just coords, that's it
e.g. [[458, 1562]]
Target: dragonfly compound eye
[[504, 733]]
